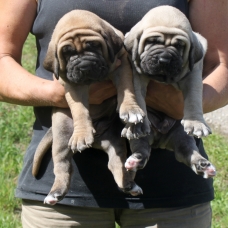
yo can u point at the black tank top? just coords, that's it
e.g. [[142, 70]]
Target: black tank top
[[165, 182]]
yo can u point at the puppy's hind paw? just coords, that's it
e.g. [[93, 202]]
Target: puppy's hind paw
[[204, 168], [52, 199], [136, 190], [135, 162]]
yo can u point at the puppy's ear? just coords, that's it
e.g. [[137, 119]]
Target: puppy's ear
[[197, 50], [134, 50], [114, 44], [131, 41], [51, 62]]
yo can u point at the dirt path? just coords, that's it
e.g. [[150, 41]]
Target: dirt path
[[218, 120]]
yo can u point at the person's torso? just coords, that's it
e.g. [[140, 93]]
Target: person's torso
[[165, 181]]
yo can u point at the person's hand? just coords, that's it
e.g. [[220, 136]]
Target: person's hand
[[98, 93], [165, 98], [58, 97], [101, 91]]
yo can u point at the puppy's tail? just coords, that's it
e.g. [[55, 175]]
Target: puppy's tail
[[42, 148]]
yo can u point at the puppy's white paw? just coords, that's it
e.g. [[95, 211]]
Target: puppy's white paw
[[81, 139], [196, 128], [204, 168], [135, 162], [131, 113], [51, 200]]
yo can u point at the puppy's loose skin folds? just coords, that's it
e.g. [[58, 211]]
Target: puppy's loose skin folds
[[85, 49], [164, 48]]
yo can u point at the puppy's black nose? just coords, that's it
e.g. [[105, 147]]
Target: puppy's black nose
[[165, 58]]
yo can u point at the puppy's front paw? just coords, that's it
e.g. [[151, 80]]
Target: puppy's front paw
[[135, 131], [131, 113], [81, 139], [196, 128], [204, 168]]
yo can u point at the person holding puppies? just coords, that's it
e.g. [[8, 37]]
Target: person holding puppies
[[173, 196]]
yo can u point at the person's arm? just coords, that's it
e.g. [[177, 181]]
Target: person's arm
[[16, 84], [210, 19]]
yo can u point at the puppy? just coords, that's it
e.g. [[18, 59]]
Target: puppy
[[164, 48], [84, 49]]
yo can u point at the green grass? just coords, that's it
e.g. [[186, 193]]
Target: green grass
[[217, 149], [15, 133]]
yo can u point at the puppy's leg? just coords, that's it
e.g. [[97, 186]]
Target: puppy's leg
[[115, 147], [128, 108], [141, 150], [77, 97], [186, 151], [62, 128], [133, 131], [193, 121]]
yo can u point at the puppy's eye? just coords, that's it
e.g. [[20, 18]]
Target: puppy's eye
[[68, 49], [92, 44], [179, 44], [154, 40]]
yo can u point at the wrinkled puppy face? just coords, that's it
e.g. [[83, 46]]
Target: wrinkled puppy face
[[85, 63], [162, 57], [83, 48], [163, 45]]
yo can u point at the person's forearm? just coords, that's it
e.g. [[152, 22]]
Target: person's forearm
[[215, 89], [18, 86]]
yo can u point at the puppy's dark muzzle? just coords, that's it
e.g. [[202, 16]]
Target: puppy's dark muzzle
[[161, 64], [86, 69], [165, 58]]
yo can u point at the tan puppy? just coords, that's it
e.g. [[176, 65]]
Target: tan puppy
[[164, 48], [84, 49]]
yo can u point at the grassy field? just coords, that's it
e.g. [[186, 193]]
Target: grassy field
[[15, 132]]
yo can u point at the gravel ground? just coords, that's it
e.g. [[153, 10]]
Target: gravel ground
[[218, 120]]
